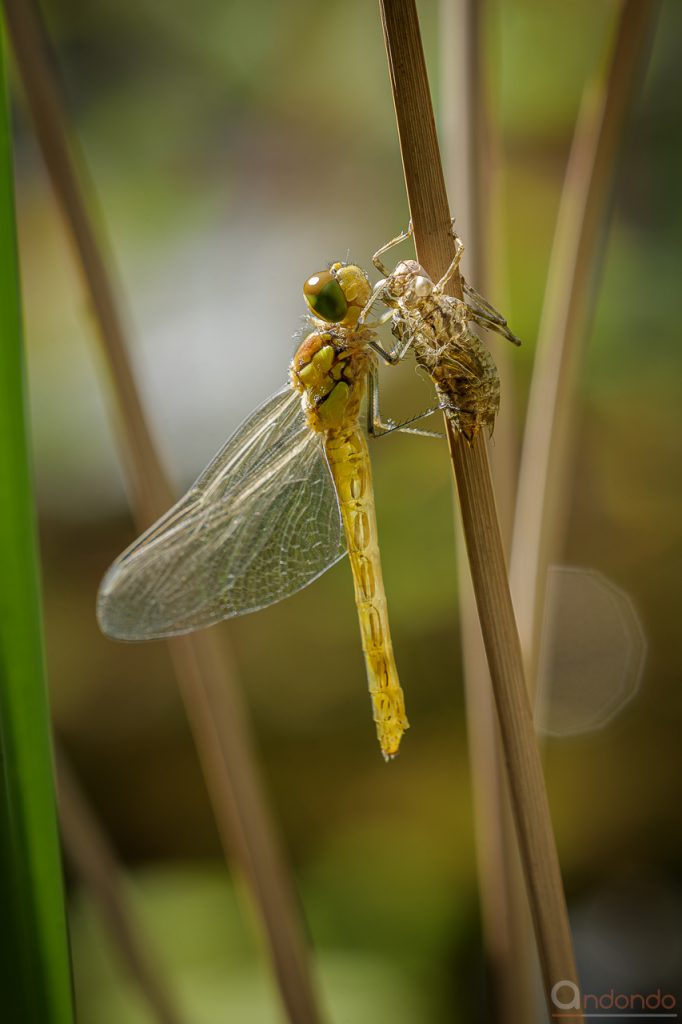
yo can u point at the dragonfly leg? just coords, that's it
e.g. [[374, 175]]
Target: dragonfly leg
[[397, 353], [376, 427], [375, 297], [376, 258], [449, 273]]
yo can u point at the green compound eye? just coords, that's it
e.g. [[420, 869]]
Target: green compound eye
[[324, 296]]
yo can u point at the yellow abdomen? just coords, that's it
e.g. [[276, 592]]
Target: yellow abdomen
[[349, 462]]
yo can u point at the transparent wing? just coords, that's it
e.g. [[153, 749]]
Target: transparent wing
[[261, 522]]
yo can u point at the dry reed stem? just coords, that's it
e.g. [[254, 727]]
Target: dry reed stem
[[94, 862], [435, 247], [507, 934], [211, 698], [472, 168], [576, 256]]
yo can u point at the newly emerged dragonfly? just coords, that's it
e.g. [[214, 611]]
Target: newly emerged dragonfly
[[291, 490], [286, 496]]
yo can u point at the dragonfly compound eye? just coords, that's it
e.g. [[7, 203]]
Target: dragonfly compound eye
[[324, 295]]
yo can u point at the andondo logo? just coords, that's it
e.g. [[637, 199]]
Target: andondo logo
[[568, 999]]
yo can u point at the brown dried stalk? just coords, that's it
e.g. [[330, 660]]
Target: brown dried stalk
[[207, 683], [435, 248], [574, 266], [472, 168]]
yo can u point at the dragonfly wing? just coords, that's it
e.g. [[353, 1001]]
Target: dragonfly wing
[[261, 522]]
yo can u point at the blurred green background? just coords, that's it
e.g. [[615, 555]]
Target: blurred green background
[[235, 149]]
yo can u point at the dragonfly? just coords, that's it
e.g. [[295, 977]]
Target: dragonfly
[[435, 326], [291, 491], [288, 494]]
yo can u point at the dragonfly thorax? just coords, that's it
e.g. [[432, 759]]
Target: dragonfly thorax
[[329, 374]]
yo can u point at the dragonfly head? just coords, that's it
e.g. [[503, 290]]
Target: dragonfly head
[[338, 295], [409, 283]]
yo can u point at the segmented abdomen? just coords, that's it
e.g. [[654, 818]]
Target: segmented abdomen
[[349, 462]]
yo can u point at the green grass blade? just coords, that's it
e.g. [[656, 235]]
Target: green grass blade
[[35, 982]]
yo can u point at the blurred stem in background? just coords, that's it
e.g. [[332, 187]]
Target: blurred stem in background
[[425, 186], [35, 976], [95, 865], [205, 675], [575, 266]]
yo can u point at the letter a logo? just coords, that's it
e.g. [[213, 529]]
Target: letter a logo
[[574, 1003]]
